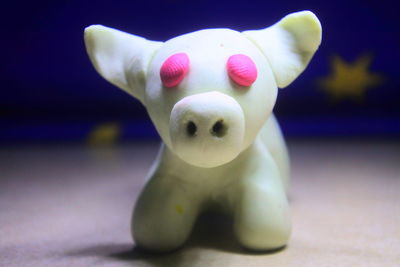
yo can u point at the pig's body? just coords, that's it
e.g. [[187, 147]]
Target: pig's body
[[210, 95], [251, 188]]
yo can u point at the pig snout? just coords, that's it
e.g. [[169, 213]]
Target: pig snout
[[207, 130]]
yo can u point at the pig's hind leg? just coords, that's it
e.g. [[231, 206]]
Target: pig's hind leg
[[271, 136]]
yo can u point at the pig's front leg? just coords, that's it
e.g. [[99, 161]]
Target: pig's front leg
[[164, 214], [261, 210]]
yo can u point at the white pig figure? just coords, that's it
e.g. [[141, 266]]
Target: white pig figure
[[210, 95]]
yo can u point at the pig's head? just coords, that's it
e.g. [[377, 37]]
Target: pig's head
[[208, 92]]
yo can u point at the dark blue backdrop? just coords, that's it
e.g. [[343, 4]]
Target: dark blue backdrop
[[50, 91]]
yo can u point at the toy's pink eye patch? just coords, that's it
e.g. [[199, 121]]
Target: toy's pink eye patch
[[174, 69], [242, 70]]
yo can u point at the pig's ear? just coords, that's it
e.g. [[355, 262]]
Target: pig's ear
[[289, 44], [119, 57]]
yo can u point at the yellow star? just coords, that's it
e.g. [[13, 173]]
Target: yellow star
[[350, 80], [104, 134]]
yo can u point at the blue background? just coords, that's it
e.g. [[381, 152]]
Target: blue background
[[50, 91]]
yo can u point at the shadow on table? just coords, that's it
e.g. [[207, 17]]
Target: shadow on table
[[211, 232]]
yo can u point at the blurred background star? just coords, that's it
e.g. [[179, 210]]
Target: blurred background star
[[350, 80]]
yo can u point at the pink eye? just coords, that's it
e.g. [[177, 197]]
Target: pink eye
[[174, 69], [242, 70]]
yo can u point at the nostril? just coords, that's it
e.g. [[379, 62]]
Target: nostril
[[191, 129], [219, 129]]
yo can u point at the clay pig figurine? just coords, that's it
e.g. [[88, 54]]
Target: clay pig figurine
[[210, 95]]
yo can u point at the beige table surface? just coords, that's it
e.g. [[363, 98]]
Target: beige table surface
[[71, 205]]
